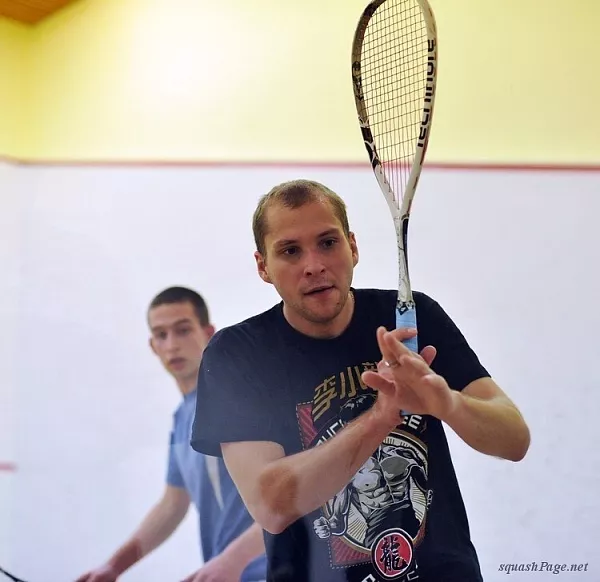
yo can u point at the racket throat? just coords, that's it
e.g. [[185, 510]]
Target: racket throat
[[405, 298]]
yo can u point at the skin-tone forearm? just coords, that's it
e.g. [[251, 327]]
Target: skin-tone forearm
[[482, 414], [126, 556], [491, 426], [296, 485], [159, 524], [246, 547], [285, 488]]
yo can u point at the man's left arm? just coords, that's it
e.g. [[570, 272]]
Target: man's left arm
[[231, 562], [485, 418], [246, 547], [481, 414]]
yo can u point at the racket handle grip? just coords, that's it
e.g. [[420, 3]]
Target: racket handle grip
[[408, 319]]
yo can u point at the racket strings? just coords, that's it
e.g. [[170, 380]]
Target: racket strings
[[394, 77]]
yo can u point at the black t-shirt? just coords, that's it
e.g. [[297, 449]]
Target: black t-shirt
[[402, 516]]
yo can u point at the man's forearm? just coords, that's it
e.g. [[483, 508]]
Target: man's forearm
[[294, 486], [493, 427], [246, 547], [156, 527], [126, 556]]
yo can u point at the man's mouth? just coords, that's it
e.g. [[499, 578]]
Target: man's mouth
[[320, 289]]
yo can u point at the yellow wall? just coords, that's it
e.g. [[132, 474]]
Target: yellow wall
[[14, 43], [270, 80]]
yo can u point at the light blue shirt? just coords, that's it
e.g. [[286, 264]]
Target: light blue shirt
[[222, 513]]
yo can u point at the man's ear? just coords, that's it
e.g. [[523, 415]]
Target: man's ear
[[151, 344], [209, 330], [261, 267], [353, 247]]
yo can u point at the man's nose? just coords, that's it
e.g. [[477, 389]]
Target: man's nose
[[313, 264], [172, 344]]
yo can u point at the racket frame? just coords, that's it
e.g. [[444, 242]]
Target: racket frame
[[405, 306]]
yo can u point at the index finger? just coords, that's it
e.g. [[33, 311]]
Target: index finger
[[396, 345], [403, 333], [387, 351]]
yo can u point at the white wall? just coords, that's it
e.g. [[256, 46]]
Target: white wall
[[10, 256], [511, 256]]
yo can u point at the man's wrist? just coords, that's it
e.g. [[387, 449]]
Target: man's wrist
[[126, 557], [456, 408], [380, 421], [234, 561]]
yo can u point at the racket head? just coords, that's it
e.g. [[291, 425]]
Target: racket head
[[394, 72]]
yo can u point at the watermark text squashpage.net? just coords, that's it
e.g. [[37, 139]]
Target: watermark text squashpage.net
[[553, 567]]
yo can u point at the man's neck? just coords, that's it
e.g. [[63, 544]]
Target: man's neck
[[187, 386]]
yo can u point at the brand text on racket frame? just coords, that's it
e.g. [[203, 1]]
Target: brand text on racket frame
[[553, 567], [431, 68]]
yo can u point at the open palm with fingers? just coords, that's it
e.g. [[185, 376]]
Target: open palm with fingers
[[405, 381]]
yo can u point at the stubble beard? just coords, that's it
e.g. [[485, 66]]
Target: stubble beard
[[323, 318]]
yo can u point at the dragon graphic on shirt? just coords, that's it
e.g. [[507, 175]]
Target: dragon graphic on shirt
[[379, 517]]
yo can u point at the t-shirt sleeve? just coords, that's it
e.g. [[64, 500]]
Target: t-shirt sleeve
[[231, 405], [174, 477], [455, 360]]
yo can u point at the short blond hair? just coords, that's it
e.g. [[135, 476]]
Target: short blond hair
[[294, 194]]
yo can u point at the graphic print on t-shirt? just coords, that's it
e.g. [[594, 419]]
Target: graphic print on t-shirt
[[379, 517]]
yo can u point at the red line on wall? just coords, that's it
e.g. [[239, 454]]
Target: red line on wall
[[474, 166], [7, 467]]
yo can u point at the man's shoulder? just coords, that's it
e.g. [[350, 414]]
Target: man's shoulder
[[246, 332], [423, 299]]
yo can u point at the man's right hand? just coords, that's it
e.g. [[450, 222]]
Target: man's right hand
[[158, 525], [103, 574], [404, 381]]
